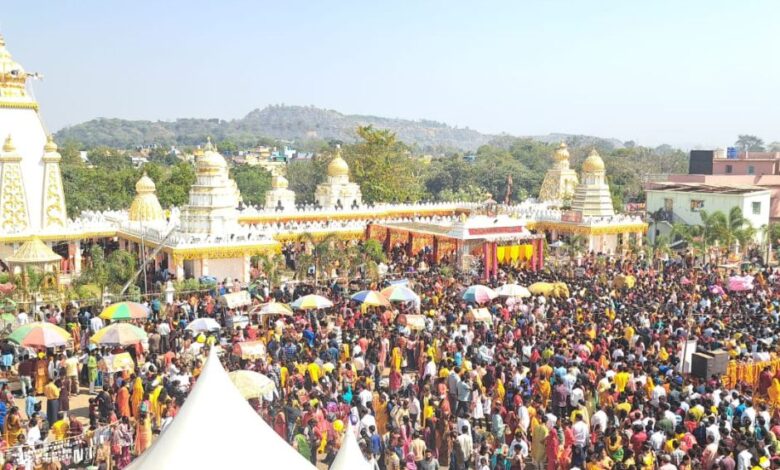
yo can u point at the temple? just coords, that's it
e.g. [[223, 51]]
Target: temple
[[215, 234], [338, 191], [560, 180]]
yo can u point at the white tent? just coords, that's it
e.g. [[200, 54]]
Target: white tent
[[217, 428], [350, 457]]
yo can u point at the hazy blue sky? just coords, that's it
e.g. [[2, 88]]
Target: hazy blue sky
[[686, 72]]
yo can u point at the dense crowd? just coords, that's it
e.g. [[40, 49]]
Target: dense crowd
[[589, 379]]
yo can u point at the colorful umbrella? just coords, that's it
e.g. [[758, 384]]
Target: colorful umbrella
[[119, 334], [400, 293], [513, 290], [273, 308], [311, 302], [40, 335], [740, 283], [203, 324], [124, 311], [479, 294], [371, 298], [252, 384]]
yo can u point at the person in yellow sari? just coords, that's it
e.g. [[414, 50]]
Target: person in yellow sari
[[539, 432], [12, 428], [136, 397], [545, 390], [155, 406], [500, 390], [396, 359], [774, 393]]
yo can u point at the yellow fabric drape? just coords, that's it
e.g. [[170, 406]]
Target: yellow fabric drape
[[515, 253], [501, 253]]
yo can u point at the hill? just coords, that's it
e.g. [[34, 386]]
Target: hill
[[298, 124]]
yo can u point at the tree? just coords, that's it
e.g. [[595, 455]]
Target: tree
[[272, 265], [382, 167], [253, 182], [749, 143], [322, 256], [121, 267]]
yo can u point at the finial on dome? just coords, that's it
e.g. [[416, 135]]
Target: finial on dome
[[50, 146], [9, 146], [209, 146], [562, 152]]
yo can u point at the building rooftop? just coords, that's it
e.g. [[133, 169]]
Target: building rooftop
[[705, 188]]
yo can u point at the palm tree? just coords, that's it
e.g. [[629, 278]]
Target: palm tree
[[272, 265], [322, 254]]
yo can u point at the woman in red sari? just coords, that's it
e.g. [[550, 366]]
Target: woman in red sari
[[552, 443], [280, 424]]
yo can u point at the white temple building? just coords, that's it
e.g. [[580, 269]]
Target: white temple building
[[592, 197], [337, 190], [31, 198], [560, 180], [280, 197], [214, 198]]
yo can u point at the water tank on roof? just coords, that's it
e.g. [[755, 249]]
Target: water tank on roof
[[731, 153]]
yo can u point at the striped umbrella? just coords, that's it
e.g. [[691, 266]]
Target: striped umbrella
[[479, 294], [371, 298], [119, 334], [400, 293], [40, 335], [124, 311], [311, 302]]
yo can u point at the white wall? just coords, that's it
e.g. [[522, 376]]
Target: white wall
[[713, 202]]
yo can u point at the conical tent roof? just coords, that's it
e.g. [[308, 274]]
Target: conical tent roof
[[350, 457], [217, 428]]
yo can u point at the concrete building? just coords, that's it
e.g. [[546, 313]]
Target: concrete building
[[670, 203]]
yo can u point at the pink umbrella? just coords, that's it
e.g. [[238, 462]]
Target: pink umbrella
[[739, 283], [685, 281]]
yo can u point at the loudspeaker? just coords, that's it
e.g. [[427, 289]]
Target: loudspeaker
[[705, 365]]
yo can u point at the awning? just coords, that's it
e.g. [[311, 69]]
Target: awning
[[236, 299]]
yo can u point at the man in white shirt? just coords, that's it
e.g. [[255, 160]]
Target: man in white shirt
[[95, 323], [466, 444], [581, 438], [599, 420]]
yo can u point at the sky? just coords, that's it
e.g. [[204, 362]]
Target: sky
[[691, 73]]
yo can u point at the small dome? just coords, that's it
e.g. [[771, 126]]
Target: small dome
[[9, 146], [337, 166], [145, 185], [561, 153], [279, 182], [593, 163], [50, 146]]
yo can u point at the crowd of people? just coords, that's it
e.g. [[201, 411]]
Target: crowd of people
[[592, 379]]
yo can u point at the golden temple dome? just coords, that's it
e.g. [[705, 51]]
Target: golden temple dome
[[593, 163], [145, 185], [146, 207], [561, 153], [279, 182], [338, 166]]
